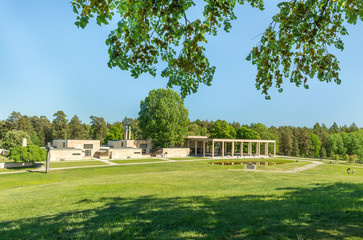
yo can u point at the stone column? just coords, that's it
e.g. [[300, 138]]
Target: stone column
[[266, 148], [258, 145], [250, 149], [241, 149], [203, 148], [195, 148], [222, 149], [232, 154], [212, 148], [274, 149]]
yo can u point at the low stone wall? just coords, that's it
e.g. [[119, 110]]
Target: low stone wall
[[176, 152], [119, 153], [17, 164]]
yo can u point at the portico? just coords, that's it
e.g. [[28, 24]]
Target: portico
[[233, 147]]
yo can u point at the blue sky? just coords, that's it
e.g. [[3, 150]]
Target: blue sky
[[47, 64]]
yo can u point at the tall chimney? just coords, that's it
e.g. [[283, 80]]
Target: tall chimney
[[125, 133], [129, 132], [24, 142]]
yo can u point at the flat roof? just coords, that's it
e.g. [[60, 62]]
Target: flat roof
[[230, 140]]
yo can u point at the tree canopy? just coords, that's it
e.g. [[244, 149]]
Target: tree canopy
[[28, 153], [14, 138], [163, 118], [294, 46]]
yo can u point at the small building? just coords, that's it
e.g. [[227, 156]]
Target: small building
[[74, 149], [89, 149], [4, 152]]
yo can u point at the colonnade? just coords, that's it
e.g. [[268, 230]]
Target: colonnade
[[221, 147]]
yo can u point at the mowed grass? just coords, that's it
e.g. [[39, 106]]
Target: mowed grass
[[188, 158], [74, 164], [182, 200], [141, 160]]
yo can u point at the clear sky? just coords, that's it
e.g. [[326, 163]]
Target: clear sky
[[47, 64]]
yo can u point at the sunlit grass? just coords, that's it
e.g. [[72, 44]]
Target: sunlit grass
[[182, 200], [141, 160]]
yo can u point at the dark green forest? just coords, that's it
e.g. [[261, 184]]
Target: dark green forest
[[337, 142]]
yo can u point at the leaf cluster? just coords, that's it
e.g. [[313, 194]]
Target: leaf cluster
[[295, 45], [149, 31]]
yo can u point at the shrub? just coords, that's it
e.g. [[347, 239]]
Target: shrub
[[346, 157], [29, 153], [353, 158], [336, 157]]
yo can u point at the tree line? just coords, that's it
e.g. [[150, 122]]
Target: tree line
[[164, 119], [318, 141]]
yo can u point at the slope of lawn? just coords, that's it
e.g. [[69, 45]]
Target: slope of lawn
[[75, 164], [137, 160], [182, 200]]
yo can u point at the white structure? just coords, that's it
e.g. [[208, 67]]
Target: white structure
[[213, 146]]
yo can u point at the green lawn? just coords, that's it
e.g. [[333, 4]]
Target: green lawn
[[75, 164], [17, 169], [5, 159], [182, 200], [187, 158], [137, 160]]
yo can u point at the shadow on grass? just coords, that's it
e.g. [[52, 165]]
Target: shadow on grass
[[320, 212]]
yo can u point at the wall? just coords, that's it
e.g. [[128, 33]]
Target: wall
[[65, 154], [17, 165], [119, 153], [176, 152]]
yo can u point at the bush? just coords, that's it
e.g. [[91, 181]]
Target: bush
[[29, 153], [336, 157], [353, 158], [346, 157]]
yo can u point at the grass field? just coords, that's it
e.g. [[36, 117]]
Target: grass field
[[183, 200], [137, 160], [74, 164], [187, 158]]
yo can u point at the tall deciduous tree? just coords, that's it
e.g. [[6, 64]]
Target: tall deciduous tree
[[116, 132], [245, 133], [221, 129], [316, 145], [163, 118], [295, 46]]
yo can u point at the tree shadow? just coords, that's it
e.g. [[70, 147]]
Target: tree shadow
[[323, 211]]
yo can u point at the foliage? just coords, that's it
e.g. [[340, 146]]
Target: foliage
[[98, 128], [34, 139], [163, 118], [322, 152], [28, 153], [245, 133], [336, 157], [294, 46], [116, 132], [353, 158], [316, 145], [14, 138], [60, 126], [76, 129], [221, 129]]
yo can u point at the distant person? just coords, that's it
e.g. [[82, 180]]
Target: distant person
[[353, 171], [348, 170]]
